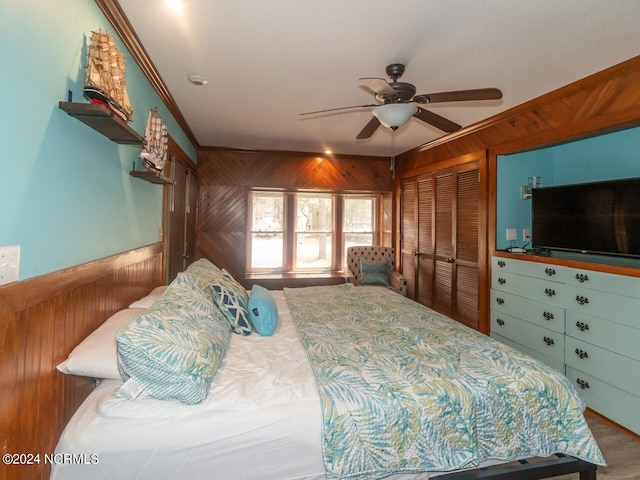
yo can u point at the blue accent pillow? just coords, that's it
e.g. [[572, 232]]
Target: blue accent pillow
[[374, 272], [263, 311]]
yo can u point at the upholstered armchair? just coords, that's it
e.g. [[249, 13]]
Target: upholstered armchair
[[367, 265]]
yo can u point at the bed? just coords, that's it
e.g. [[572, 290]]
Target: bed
[[343, 382]]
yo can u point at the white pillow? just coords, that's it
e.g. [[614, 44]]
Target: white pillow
[[96, 355], [147, 301]]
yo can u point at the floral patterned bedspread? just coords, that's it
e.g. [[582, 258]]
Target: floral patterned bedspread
[[405, 389]]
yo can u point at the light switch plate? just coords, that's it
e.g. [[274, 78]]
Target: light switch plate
[[9, 264], [512, 234]]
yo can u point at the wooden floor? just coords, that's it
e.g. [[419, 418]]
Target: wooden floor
[[620, 450]]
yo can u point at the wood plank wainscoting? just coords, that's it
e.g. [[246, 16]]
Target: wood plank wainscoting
[[41, 320], [225, 176]]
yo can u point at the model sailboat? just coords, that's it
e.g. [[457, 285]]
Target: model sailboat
[[105, 81], [154, 152]]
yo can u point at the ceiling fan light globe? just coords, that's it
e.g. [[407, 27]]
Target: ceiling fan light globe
[[394, 115]]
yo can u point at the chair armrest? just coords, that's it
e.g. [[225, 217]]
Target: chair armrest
[[349, 278], [398, 282]]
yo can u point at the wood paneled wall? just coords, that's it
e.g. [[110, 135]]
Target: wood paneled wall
[[41, 320], [603, 102], [226, 175]]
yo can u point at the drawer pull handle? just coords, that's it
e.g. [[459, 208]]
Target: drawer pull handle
[[582, 300], [548, 316], [500, 322], [548, 341], [501, 263], [549, 292], [581, 277], [501, 281], [582, 326], [550, 271], [500, 301], [582, 384], [581, 353]]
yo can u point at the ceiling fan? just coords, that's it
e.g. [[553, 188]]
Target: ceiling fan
[[396, 103]]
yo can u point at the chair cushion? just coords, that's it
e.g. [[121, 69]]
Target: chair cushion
[[374, 272]]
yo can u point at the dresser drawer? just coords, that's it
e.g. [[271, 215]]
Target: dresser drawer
[[617, 370], [613, 403], [529, 269], [610, 335], [606, 282], [542, 340], [557, 364], [541, 314], [543, 290], [617, 308]]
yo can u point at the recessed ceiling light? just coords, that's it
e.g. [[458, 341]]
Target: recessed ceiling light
[[174, 4], [197, 79], [328, 152]]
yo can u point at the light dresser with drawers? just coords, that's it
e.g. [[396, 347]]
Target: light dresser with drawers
[[584, 323]]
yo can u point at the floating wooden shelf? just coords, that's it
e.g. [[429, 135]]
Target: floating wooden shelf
[[103, 120], [151, 177]]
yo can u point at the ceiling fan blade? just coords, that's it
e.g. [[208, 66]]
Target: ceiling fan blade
[[339, 108], [369, 129], [379, 86], [459, 96], [437, 121]]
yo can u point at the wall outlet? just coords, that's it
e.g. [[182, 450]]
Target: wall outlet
[[9, 264], [512, 234], [526, 235]]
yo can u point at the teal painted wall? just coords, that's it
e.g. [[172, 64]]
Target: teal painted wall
[[604, 157], [66, 196]]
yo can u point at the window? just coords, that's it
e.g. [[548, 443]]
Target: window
[[309, 231], [359, 222], [267, 231], [314, 232]]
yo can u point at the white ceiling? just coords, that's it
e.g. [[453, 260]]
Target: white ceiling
[[267, 61]]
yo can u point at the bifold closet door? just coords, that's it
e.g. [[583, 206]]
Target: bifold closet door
[[439, 240]]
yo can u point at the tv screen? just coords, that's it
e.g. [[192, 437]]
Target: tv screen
[[601, 217]]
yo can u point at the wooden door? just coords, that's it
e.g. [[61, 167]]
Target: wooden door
[[409, 235], [440, 240], [181, 221], [467, 248]]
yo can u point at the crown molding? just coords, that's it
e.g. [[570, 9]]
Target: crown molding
[[115, 15]]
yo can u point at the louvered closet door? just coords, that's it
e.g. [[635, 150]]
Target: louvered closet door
[[424, 289], [466, 271], [409, 238], [440, 240], [443, 236]]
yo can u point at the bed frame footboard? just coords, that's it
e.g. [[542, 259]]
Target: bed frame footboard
[[529, 470]]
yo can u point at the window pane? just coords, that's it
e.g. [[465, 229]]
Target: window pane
[[267, 223], [313, 251], [356, 239], [314, 213], [358, 215], [266, 251], [267, 212]]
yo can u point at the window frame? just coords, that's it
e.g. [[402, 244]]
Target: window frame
[[338, 249]]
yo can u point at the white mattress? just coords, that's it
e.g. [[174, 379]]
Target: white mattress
[[261, 420]]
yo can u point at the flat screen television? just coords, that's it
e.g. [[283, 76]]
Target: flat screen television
[[600, 217]]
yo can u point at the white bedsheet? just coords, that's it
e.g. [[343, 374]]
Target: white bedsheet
[[261, 421]]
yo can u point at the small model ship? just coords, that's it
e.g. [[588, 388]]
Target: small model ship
[[105, 75], [154, 152]]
